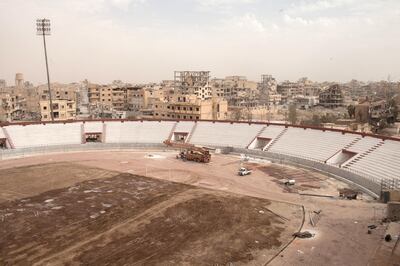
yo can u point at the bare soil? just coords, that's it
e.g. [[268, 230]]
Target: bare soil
[[340, 238], [129, 219]]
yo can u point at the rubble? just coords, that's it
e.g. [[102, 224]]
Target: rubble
[[304, 234]]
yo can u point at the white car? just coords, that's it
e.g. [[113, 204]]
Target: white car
[[243, 171]]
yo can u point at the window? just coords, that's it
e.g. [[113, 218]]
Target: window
[[197, 117], [44, 107], [184, 108], [179, 108], [197, 109], [191, 108]]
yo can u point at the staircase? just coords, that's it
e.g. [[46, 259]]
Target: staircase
[[362, 155], [351, 143], [258, 134], [275, 139], [103, 134], [171, 134], [83, 139], [10, 142], [191, 133]]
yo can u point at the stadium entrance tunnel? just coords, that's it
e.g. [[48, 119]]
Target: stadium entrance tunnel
[[180, 136], [93, 137], [341, 158], [260, 143]]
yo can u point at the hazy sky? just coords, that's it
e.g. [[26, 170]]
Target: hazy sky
[[146, 40]]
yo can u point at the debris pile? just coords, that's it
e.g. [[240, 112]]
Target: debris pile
[[348, 193], [304, 234]]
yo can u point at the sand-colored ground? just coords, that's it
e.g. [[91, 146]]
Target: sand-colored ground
[[341, 227]]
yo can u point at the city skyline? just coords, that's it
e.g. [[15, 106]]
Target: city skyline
[[145, 41]]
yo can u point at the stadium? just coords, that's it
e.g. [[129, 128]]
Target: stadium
[[111, 192]]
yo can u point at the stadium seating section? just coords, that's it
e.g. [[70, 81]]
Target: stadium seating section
[[373, 158]]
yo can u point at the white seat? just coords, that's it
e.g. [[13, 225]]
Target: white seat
[[237, 135]]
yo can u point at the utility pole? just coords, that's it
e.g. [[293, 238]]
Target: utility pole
[[43, 28]]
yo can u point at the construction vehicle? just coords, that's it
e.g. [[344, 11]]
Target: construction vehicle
[[190, 152], [244, 171]]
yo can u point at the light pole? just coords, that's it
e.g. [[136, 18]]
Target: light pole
[[43, 28]]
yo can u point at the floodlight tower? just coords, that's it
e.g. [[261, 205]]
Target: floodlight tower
[[43, 28]]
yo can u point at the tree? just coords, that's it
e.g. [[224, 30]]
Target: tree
[[292, 114], [393, 110], [236, 114], [249, 115], [351, 109]]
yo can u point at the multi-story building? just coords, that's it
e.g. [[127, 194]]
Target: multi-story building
[[289, 89], [331, 97], [193, 83], [12, 106], [189, 107], [3, 84], [233, 87], [100, 94], [63, 109]]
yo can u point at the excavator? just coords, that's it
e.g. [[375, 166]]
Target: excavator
[[190, 152]]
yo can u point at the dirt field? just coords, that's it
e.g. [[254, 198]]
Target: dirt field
[[340, 232], [120, 218]]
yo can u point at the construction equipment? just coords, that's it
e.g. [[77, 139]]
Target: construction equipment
[[190, 152]]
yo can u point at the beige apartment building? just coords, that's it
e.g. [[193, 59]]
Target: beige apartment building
[[143, 98], [63, 109], [189, 107], [100, 94], [12, 107]]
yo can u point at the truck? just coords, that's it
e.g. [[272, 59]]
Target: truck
[[190, 152], [244, 171]]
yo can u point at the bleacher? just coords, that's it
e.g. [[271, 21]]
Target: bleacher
[[93, 127], [45, 135], [224, 134], [271, 132], [138, 132], [374, 158], [311, 144], [2, 135], [379, 163], [184, 126], [363, 144]]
